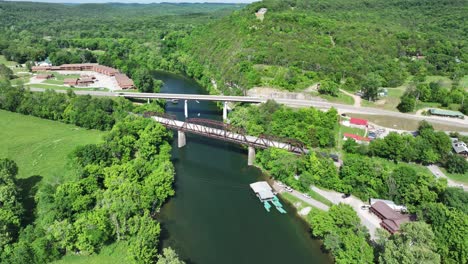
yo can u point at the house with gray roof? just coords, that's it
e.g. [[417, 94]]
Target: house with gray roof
[[460, 148]]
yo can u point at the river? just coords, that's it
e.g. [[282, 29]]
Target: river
[[214, 216]]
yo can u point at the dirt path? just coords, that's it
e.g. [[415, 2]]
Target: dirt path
[[299, 196], [357, 99], [439, 174]]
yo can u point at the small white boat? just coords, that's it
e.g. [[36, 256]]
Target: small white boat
[[175, 101]]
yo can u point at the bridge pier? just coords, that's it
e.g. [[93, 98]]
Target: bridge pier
[[251, 157], [148, 101], [185, 109], [225, 111], [181, 140]]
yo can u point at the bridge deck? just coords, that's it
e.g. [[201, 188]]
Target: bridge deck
[[253, 141]]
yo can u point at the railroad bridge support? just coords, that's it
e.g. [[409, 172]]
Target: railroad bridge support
[[222, 131]]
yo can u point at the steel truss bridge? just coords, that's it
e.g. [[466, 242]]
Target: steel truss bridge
[[226, 132]]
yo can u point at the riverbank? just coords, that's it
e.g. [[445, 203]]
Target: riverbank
[[214, 214]]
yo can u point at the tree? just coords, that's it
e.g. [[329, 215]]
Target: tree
[[10, 206], [414, 244], [5, 72], [343, 234], [169, 256], [456, 164], [350, 146], [450, 227], [456, 198], [92, 231], [407, 103], [371, 85], [144, 81], [143, 246], [329, 87]]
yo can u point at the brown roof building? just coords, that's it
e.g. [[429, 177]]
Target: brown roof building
[[85, 81], [44, 76], [124, 82], [105, 70], [71, 82], [391, 220], [78, 67], [40, 68]]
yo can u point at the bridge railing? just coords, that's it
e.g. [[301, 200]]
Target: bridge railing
[[228, 132]]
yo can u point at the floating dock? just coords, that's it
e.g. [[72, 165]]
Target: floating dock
[[265, 194]]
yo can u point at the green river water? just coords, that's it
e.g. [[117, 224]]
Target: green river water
[[214, 216]]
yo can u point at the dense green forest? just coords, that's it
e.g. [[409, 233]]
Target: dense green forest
[[363, 45], [127, 37], [383, 169], [118, 187], [355, 45]]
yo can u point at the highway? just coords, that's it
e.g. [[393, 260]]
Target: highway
[[342, 108]]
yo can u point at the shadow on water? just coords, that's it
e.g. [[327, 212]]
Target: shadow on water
[[28, 189], [230, 147]]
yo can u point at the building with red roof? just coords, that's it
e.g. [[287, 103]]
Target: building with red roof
[[356, 137], [358, 121]]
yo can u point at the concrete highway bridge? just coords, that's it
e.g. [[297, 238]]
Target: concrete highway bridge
[[342, 108], [226, 132]]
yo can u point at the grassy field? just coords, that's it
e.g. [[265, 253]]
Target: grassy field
[[463, 178], [443, 80], [345, 129], [110, 254], [388, 102], [405, 124], [3, 60], [341, 98], [391, 101], [48, 86], [40, 147], [61, 87], [464, 82]]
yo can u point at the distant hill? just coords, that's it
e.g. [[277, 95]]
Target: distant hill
[[300, 42]]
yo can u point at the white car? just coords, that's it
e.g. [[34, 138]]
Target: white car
[[306, 195], [288, 189]]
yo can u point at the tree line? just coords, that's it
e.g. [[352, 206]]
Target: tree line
[[126, 37], [310, 126], [121, 183], [360, 45], [380, 170], [428, 147]]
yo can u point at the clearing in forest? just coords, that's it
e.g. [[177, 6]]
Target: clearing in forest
[[41, 147]]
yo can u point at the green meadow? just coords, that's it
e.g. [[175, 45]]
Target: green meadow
[[41, 147]]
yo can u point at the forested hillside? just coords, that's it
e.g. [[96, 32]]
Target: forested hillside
[[127, 37], [355, 44]]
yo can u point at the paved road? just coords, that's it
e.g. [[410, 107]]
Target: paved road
[[299, 195], [371, 221], [439, 174], [290, 102]]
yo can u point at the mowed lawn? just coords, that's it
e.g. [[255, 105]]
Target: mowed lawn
[[41, 147]]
